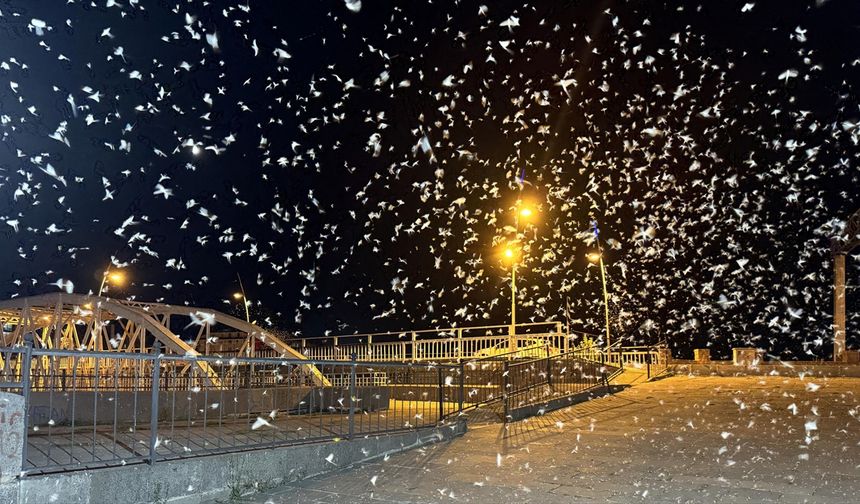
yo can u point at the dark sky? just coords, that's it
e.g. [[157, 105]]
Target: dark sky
[[357, 163]]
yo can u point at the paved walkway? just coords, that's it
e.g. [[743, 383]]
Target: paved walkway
[[681, 439]]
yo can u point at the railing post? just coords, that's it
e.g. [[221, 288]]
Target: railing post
[[414, 350], [459, 344], [25, 391], [352, 379], [441, 395], [505, 388], [548, 366], [462, 384], [648, 364], [153, 412]]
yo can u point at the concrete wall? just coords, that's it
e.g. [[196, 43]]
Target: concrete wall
[[195, 480], [773, 369]]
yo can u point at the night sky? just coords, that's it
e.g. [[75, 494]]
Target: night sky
[[357, 163]]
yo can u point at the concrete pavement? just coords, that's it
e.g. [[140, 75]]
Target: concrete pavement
[[680, 439]]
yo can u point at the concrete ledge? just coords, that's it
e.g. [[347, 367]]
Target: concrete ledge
[[194, 480], [767, 369]]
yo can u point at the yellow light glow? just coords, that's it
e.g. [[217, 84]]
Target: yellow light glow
[[593, 257], [237, 295], [510, 254], [116, 278], [88, 306], [526, 212]]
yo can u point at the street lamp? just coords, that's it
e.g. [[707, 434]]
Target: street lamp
[[513, 254], [241, 295], [114, 277], [597, 257]]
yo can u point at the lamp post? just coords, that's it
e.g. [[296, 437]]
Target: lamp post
[[597, 257], [513, 255], [510, 255], [241, 296]]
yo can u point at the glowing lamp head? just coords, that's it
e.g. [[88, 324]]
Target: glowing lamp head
[[237, 296], [526, 212], [195, 150], [593, 257], [509, 253], [116, 278]]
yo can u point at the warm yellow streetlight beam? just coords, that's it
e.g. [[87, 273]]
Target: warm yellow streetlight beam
[[237, 296]]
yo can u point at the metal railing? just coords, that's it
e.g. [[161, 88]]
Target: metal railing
[[88, 410], [538, 381], [454, 344], [652, 360]]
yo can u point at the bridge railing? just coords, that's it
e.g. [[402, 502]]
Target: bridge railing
[[444, 344], [453, 344]]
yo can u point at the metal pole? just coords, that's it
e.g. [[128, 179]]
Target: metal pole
[[441, 395], [548, 366], [839, 307], [25, 390], [605, 301], [512, 340], [153, 413], [462, 384], [505, 388], [244, 299], [352, 378], [648, 361], [102, 286]]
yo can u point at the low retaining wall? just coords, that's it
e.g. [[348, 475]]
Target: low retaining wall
[[767, 369], [199, 479]]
